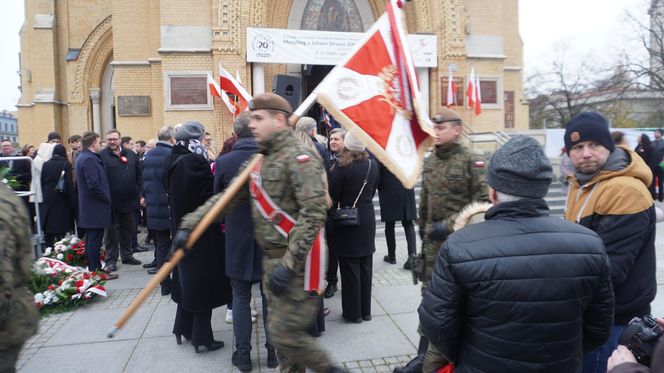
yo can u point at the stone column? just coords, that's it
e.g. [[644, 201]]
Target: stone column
[[95, 97], [257, 78]]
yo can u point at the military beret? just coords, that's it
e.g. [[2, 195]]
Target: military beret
[[446, 115], [270, 101]]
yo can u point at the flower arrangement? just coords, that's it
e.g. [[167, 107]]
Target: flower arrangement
[[58, 286], [70, 250], [8, 179]]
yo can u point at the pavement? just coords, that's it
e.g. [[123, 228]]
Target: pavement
[[76, 341]]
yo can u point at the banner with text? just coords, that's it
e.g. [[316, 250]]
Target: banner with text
[[308, 47]]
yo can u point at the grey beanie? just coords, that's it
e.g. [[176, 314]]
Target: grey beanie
[[520, 168], [353, 143], [190, 130]]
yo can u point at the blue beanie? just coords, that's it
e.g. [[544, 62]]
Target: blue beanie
[[588, 126]]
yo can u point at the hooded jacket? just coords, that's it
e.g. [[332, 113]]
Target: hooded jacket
[[615, 204]]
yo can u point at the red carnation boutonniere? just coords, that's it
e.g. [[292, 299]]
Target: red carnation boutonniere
[[123, 159]]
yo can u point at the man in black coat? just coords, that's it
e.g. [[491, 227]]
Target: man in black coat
[[156, 200], [94, 199], [125, 180], [521, 291], [243, 254]]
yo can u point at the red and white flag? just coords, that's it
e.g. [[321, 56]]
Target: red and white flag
[[470, 89], [478, 96], [451, 90], [374, 93], [216, 91], [232, 86]]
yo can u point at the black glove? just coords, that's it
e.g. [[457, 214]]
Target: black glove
[[180, 239], [421, 231], [280, 279], [439, 231]]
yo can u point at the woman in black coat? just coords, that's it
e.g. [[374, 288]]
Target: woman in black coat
[[648, 152], [396, 204], [355, 245], [199, 280], [57, 208]]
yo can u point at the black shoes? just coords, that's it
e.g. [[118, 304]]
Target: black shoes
[[139, 249], [110, 268], [272, 361], [330, 290], [389, 259], [214, 345], [165, 291], [242, 360], [131, 261], [152, 264], [406, 265], [366, 318], [414, 366], [152, 271]]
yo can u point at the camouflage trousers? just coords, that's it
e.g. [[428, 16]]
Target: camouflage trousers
[[8, 358], [433, 358], [289, 317]]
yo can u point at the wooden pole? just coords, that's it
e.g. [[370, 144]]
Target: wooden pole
[[200, 228]]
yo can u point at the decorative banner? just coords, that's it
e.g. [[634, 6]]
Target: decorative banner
[[307, 47]]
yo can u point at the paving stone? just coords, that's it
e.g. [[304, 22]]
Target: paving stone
[[108, 356]]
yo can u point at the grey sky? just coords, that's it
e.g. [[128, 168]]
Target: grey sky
[[596, 28]]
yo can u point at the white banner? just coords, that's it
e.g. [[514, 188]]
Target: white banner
[[306, 47]]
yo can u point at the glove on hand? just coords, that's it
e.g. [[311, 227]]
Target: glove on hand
[[439, 231], [280, 279], [180, 239]]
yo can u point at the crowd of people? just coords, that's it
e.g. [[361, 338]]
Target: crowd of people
[[518, 291]]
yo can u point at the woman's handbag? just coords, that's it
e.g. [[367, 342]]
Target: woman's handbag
[[349, 216], [60, 186]]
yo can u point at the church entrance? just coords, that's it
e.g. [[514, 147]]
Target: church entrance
[[312, 75]]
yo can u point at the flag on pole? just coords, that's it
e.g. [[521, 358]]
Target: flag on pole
[[451, 90], [232, 86], [237, 77], [478, 96], [374, 94], [216, 91], [470, 89]]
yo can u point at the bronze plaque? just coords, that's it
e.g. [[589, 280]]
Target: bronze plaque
[[489, 91], [460, 89], [133, 106], [509, 109], [189, 90]]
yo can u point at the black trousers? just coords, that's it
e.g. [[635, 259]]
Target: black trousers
[[118, 237], [356, 276], [162, 244], [391, 240], [332, 268], [659, 174], [93, 239], [195, 326]]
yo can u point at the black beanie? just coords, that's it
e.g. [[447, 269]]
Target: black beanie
[[588, 126], [520, 168]]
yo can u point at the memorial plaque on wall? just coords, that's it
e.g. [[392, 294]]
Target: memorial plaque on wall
[[188, 90], [489, 91], [459, 93], [132, 106], [509, 109]]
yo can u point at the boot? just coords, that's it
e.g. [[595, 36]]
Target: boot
[[415, 365], [272, 361], [242, 360]]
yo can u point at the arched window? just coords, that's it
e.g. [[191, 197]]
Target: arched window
[[331, 15]]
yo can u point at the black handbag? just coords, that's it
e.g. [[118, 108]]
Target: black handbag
[[349, 216], [60, 186]]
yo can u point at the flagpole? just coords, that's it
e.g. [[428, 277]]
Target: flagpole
[[304, 106]]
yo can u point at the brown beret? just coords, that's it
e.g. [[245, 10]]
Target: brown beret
[[446, 115], [270, 101]]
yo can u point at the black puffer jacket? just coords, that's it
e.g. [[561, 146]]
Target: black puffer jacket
[[520, 292]]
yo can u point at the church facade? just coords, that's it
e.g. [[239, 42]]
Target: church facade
[[138, 65]]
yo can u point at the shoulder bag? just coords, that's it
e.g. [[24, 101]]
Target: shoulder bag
[[349, 216]]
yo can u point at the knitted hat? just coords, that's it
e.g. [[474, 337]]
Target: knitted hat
[[352, 143], [520, 168], [190, 130], [588, 126], [270, 101]]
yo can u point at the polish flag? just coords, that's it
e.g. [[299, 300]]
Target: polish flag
[[451, 90], [470, 89], [232, 86], [217, 92], [478, 96], [374, 94]]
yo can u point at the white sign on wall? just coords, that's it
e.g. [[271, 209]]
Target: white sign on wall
[[268, 45]]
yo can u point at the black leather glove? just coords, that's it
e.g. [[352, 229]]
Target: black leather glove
[[439, 231], [180, 239], [280, 279]]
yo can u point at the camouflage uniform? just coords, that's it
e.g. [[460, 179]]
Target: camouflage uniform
[[452, 177], [18, 316], [297, 187]]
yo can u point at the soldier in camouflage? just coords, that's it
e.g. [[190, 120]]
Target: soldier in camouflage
[[18, 315], [452, 177], [292, 175]]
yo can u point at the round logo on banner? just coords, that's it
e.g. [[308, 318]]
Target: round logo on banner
[[348, 88], [262, 45]]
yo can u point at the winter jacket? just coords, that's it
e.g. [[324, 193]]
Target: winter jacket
[[94, 195], [519, 292], [617, 206], [125, 178], [158, 213]]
